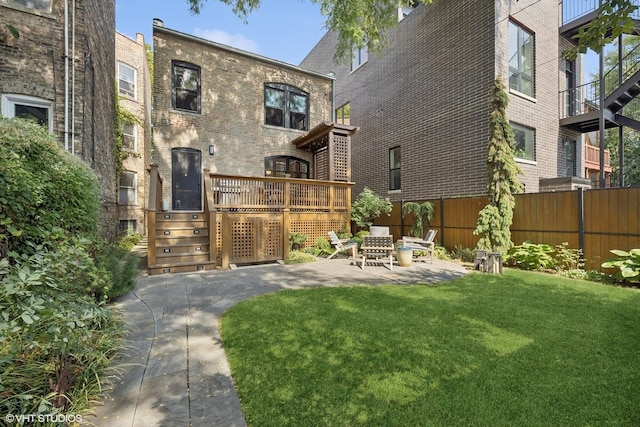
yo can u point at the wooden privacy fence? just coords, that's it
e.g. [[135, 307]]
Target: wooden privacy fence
[[251, 218], [595, 221]]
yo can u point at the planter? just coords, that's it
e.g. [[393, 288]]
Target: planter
[[404, 255]]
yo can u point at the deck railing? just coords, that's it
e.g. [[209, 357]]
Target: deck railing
[[574, 9], [274, 194]]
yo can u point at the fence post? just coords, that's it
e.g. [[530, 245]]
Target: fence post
[[286, 232], [581, 221], [442, 220], [227, 242]]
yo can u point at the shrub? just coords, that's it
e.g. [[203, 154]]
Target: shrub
[[628, 264], [368, 206], [296, 240], [531, 256], [322, 246], [423, 214], [299, 257], [129, 241], [463, 254], [41, 187], [566, 258]]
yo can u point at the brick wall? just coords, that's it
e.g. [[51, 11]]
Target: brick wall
[[232, 106], [133, 54], [428, 93], [34, 65]]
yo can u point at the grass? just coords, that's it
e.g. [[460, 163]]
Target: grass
[[522, 348]]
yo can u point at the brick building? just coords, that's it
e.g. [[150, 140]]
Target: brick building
[[60, 70], [134, 90], [229, 111], [422, 105]]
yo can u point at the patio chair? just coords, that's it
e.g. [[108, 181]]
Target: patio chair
[[421, 245], [342, 245], [377, 247]]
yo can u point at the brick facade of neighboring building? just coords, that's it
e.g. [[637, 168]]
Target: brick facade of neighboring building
[[32, 72], [428, 93], [132, 55], [231, 116]]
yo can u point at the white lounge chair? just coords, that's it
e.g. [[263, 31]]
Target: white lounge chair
[[342, 245], [421, 245]]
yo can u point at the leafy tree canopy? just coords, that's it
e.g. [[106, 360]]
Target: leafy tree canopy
[[361, 23]]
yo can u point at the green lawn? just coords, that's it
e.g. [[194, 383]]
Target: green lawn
[[520, 349]]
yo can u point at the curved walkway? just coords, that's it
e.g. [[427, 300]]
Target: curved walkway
[[174, 371]]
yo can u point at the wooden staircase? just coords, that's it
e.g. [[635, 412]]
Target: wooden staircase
[[181, 243]]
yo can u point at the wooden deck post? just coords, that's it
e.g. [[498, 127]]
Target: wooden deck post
[[286, 231], [227, 242]]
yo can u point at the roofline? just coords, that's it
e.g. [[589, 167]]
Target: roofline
[[240, 52]]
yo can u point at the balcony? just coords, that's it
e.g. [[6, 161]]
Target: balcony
[[577, 13], [592, 159]]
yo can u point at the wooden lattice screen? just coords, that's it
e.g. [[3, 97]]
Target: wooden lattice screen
[[341, 157]]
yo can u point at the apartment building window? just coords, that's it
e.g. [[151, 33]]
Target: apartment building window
[[127, 227], [343, 115], [524, 142], [521, 67], [126, 81], [127, 189], [185, 87], [572, 106], [286, 106], [570, 156], [359, 56], [28, 107], [394, 169], [129, 137], [286, 166], [44, 5]]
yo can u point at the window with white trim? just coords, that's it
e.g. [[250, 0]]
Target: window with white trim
[[521, 65], [28, 107], [127, 227], [126, 81], [359, 56], [525, 146], [129, 137], [185, 86], [44, 5], [127, 188]]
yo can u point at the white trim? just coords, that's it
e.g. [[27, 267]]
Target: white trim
[[134, 82], [9, 101], [134, 134], [134, 188]]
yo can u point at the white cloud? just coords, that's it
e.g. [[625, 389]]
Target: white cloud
[[234, 40]]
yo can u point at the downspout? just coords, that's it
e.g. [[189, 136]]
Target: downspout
[[73, 77], [333, 96], [66, 75]]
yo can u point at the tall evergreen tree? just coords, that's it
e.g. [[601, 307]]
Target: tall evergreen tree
[[495, 219]]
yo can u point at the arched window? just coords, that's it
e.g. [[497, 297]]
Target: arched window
[[282, 166]]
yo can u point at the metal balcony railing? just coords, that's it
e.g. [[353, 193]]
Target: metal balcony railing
[[585, 98], [574, 9]]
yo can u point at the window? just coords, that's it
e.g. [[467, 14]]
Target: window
[[520, 59], [343, 115], [127, 227], [286, 106], [524, 142], [28, 107], [570, 156], [572, 106], [127, 190], [359, 56], [129, 140], [186, 87], [394, 169], [281, 166], [44, 5], [126, 81]]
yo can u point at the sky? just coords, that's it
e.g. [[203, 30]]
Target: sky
[[285, 30]]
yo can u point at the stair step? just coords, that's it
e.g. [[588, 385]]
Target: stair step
[[181, 268], [179, 216], [181, 232], [181, 224], [182, 249], [173, 259]]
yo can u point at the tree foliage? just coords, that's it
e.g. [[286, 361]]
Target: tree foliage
[[495, 219], [422, 213], [368, 206], [360, 23]]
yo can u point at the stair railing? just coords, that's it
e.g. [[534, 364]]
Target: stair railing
[[155, 203]]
